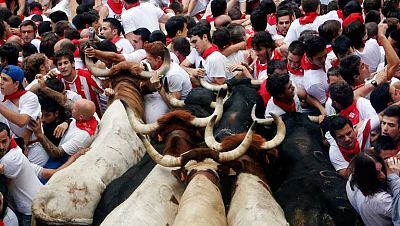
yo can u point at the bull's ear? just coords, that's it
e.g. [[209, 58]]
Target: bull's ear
[[180, 174]]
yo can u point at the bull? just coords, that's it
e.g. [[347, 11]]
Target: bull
[[71, 194]]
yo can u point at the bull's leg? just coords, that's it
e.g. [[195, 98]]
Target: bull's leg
[[253, 204], [201, 204]]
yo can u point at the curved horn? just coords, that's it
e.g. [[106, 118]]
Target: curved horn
[[241, 149], [174, 101], [97, 72], [212, 87], [228, 95], [280, 133], [160, 72], [167, 160], [209, 135], [262, 121], [257, 82], [314, 118], [202, 122], [136, 124]]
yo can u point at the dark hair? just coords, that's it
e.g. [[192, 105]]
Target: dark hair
[[190, 22], [342, 93], [71, 33], [392, 111], [60, 27], [394, 13], [14, 21], [44, 27], [9, 52], [144, 33], [200, 30], [263, 39], [58, 16], [63, 53], [276, 64], [352, 7], [82, 8], [91, 17], [177, 7], [221, 37], [55, 84], [3, 127], [314, 45], [267, 6], [341, 46], [37, 18], [310, 5], [369, 5], [79, 22], [158, 35], [181, 45], [28, 49], [332, 5], [355, 31], [283, 12], [35, 4], [276, 84], [349, 67], [31, 65], [297, 48], [175, 24], [388, 6], [307, 34], [384, 143], [329, 30], [107, 45], [234, 13], [5, 13], [372, 29], [218, 7], [380, 97], [49, 39], [333, 71], [237, 33], [258, 20], [395, 35], [29, 23], [114, 24], [373, 16], [48, 104], [337, 123], [364, 174]]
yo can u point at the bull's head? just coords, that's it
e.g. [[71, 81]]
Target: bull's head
[[139, 127], [268, 121], [213, 87]]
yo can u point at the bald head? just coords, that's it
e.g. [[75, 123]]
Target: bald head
[[15, 39], [83, 110], [64, 44]]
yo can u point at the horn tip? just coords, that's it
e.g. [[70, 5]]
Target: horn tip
[[253, 125]]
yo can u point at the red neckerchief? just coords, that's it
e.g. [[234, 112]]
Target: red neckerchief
[[168, 40], [271, 19], [12, 144], [328, 49], [340, 14], [308, 18], [298, 72], [348, 154], [210, 18], [260, 67], [116, 39], [116, 7], [2, 223], [352, 113], [265, 95], [351, 18], [306, 64], [17, 94], [291, 107], [335, 63], [276, 55], [89, 126], [209, 51], [36, 11], [133, 5], [76, 53]]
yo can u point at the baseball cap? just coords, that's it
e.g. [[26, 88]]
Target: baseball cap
[[14, 72]]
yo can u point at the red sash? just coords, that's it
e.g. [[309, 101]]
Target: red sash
[[260, 67], [298, 72], [210, 18], [352, 113], [348, 154], [133, 5], [116, 39], [12, 144], [308, 18], [89, 126], [209, 51], [291, 107], [17, 94], [116, 7], [306, 64]]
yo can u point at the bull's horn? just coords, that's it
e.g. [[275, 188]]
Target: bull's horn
[[263, 121], [212, 87], [174, 101], [97, 72], [241, 149], [209, 135], [280, 133], [226, 98], [257, 82], [313, 118], [162, 70], [136, 124], [167, 160], [202, 122]]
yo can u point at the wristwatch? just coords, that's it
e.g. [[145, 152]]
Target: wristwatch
[[374, 83]]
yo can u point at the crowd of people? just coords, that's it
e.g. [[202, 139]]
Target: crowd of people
[[336, 59]]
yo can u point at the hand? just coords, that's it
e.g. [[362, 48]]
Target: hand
[[36, 127], [15, 31], [90, 52], [381, 77], [1, 168], [197, 72], [41, 81], [393, 165], [382, 27], [109, 92], [60, 130]]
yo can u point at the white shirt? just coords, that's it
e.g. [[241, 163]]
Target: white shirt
[[332, 15], [315, 82], [112, 14], [363, 105], [178, 80], [145, 15], [135, 56], [375, 209], [74, 139], [124, 46], [236, 57], [371, 54], [24, 184], [295, 30], [273, 108]]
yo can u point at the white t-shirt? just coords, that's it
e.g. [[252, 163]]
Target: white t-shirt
[[145, 15], [236, 57], [371, 54], [74, 139], [315, 82], [124, 46], [194, 58], [332, 15], [112, 14], [174, 58], [374, 209], [273, 108], [178, 80], [363, 105], [295, 30], [24, 184], [36, 42], [135, 56]]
